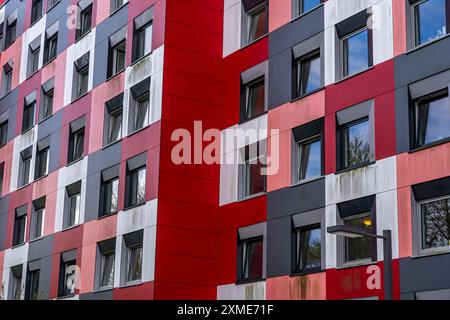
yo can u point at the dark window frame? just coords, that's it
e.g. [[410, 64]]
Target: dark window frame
[[344, 53], [246, 94], [36, 11], [51, 48], [242, 259], [11, 33], [130, 202], [138, 45], [249, 15], [104, 187], [82, 28], [63, 290], [75, 136], [28, 116], [297, 74], [4, 133], [299, 148], [298, 254], [20, 226]]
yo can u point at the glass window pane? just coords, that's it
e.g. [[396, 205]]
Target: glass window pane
[[258, 25], [358, 248], [356, 144], [255, 100], [107, 277], [255, 180], [252, 259], [115, 126], [434, 119], [74, 209], [309, 76], [39, 215], [141, 113], [309, 249], [148, 39], [430, 20], [310, 159], [307, 5], [3, 133], [436, 224], [356, 53], [134, 263], [17, 291]]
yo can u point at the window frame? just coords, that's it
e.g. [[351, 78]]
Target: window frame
[[26, 107], [39, 158], [4, 130], [299, 253], [34, 218], [248, 88], [7, 81], [299, 144], [113, 69], [243, 243], [20, 225], [251, 13], [131, 241], [45, 108], [420, 218], [11, 33], [39, 14], [103, 196], [130, 174], [24, 168], [344, 57], [244, 176], [80, 31], [63, 290], [115, 8], [30, 284], [16, 278], [49, 54], [416, 121], [106, 248], [298, 74], [74, 137]]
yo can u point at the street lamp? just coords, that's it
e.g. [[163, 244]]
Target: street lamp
[[355, 232]]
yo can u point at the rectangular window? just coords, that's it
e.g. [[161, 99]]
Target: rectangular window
[[308, 248], [254, 178], [310, 158], [116, 58], [32, 290], [308, 74], [51, 47], [133, 257], [109, 191], [85, 22], [66, 287], [355, 145], [358, 249], [135, 191], [16, 283], [357, 52], [116, 4], [142, 35], [435, 223], [76, 140], [7, 79], [24, 167], [10, 33], [36, 10], [72, 205], [141, 114], [429, 20], [37, 219], [42, 158], [20, 222], [47, 95], [252, 259], [3, 133], [105, 264], [254, 99], [28, 115], [33, 60], [432, 116], [257, 22], [143, 39], [81, 77], [115, 125]]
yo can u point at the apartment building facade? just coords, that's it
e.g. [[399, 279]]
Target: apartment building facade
[[344, 102]]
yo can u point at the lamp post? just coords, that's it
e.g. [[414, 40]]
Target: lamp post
[[354, 232]]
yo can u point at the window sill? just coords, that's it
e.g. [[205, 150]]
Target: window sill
[[36, 239], [54, 5], [103, 289], [134, 206], [46, 63], [84, 35], [118, 9], [23, 187], [106, 146], [44, 119], [18, 245], [354, 75], [305, 273], [5, 94], [80, 97], [430, 145], [133, 63], [249, 281], [115, 75], [29, 76], [362, 165], [431, 253], [254, 41], [41, 178], [253, 117], [74, 161], [355, 264], [132, 284], [27, 130], [307, 94], [307, 12], [35, 21], [66, 297], [306, 181], [70, 228], [137, 131], [253, 196], [426, 44], [107, 215]]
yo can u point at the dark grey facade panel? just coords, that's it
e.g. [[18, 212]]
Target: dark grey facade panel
[[59, 13], [279, 233], [101, 295], [402, 119], [92, 197], [280, 79], [3, 230], [103, 31], [20, 6], [424, 273], [297, 31], [104, 158], [9, 100], [41, 248], [292, 200]]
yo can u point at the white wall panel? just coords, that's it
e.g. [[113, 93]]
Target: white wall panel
[[250, 291], [232, 27]]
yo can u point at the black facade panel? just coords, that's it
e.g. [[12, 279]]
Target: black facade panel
[[101, 295], [300, 198], [280, 79], [424, 273], [279, 247]]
